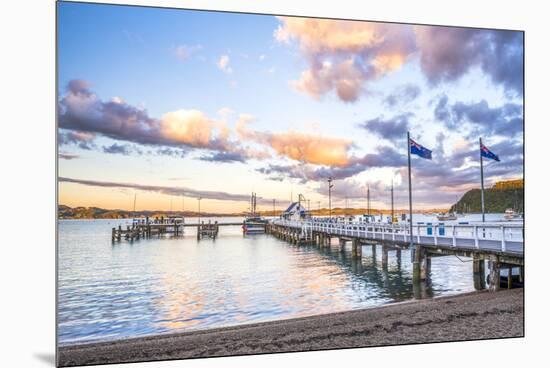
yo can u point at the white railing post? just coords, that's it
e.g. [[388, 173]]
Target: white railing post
[[418, 234], [475, 237], [454, 236], [503, 244], [435, 234]]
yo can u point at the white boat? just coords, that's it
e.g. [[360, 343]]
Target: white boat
[[510, 215], [447, 216], [254, 224]]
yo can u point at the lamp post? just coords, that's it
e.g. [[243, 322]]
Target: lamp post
[[330, 185], [199, 199]]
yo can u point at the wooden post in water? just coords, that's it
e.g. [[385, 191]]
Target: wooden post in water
[[479, 273], [494, 276], [342, 243], [384, 256], [356, 248]]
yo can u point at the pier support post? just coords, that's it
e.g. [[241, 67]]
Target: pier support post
[[509, 277], [479, 273], [426, 266], [398, 257], [356, 250], [373, 253], [384, 257], [342, 243], [494, 276], [417, 261]]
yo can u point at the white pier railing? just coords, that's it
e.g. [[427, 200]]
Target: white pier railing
[[487, 236]]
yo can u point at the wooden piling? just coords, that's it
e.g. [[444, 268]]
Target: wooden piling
[[384, 256], [479, 273], [356, 250], [494, 276]]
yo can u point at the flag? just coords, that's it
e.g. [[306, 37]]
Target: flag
[[486, 153], [419, 150]]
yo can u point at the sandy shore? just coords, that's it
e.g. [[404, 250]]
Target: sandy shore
[[478, 315]]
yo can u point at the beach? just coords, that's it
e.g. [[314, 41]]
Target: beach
[[477, 315]]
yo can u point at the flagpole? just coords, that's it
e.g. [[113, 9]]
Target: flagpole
[[410, 191], [482, 189]]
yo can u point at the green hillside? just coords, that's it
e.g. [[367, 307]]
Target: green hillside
[[497, 200]]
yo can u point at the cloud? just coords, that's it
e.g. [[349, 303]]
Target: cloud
[[83, 140], [344, 55], [224, 157], [184, 52], [175, 191], [402, 95], [299, 146], [390, 129], [479, 118], [122, 149], [223, 64], [447, 53], [83, 116], [384, 156], [68, 155]]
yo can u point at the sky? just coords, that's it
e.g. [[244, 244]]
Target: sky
[[169, 105]]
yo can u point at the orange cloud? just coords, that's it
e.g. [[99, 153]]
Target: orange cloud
[[344, 55], [190, 127], [314, 149], [308, 148]]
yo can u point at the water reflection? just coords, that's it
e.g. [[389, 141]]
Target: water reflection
[[176, 284]]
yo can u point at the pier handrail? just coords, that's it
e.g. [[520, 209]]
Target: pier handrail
[[437, 232]]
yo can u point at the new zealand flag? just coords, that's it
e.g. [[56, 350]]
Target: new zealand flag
[[419, 150], [488, 154]]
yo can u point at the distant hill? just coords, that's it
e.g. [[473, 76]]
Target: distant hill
[[503, 195], [66, 212]]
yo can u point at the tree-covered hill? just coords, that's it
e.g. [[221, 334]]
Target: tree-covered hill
[[501, 196]]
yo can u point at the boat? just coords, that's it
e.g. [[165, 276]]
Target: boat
[[254, 223], [510, 214], [450, 216]]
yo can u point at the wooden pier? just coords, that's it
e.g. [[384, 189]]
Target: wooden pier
[[499, 244], [146, 228], [208, 230]]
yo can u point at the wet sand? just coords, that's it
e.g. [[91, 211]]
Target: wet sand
[[479, 315]]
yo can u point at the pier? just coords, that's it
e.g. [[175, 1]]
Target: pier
[[146, 228], [499, 244], [160, 226]]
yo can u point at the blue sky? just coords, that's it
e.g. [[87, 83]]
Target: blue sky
[[177, 103]]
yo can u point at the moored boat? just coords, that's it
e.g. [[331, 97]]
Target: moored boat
[[253, 223], [510, 214], [450, 216]]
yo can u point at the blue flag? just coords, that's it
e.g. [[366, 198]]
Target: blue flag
[[419, 150], [486, 153]]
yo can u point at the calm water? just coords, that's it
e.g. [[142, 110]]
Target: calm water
[[111, 291]]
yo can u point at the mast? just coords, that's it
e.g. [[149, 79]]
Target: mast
[[482, 189], [410, 192], [134, 211]]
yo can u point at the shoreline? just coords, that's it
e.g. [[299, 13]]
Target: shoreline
[[476, 315]]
